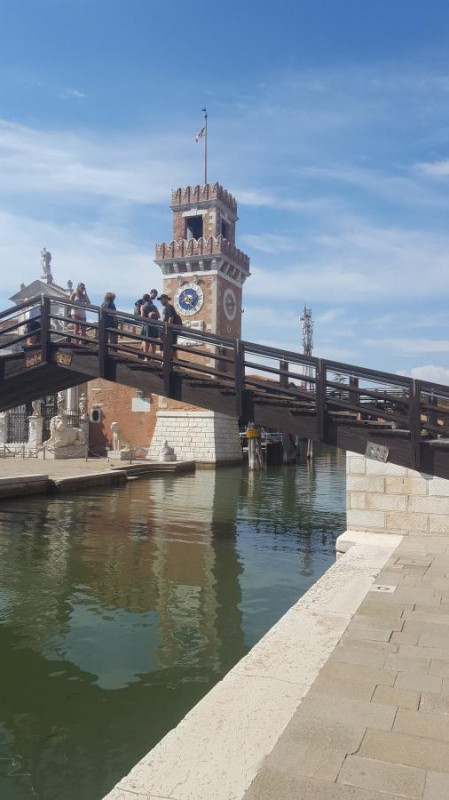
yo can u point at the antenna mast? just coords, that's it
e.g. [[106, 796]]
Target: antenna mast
[[307, 331]]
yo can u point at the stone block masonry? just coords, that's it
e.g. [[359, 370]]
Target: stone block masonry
[[386, 498], [202, 436]]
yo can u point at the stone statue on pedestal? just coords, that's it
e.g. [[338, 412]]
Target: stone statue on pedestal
[[37, 408], [45, 264], [82, 406], [61, 435], [167, 453], [119, 441], [121, 448]]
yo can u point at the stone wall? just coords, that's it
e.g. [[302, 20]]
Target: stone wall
[[385, 498], [203, 436]]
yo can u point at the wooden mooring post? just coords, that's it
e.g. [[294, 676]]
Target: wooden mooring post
[[255, 456]]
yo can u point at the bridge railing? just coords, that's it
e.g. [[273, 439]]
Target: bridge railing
[[327, 390], [14, 324]]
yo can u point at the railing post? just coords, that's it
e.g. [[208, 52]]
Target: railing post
[[45, 328], [320, 398], [102, 344], [283, 376], [432, 413], [353, 396], [167, 352], [415, 424], [239, 377]]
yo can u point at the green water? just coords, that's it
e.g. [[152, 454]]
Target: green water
[[120, 609]]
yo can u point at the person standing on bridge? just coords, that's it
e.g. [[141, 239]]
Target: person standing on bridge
[[33, 325], [170, 316], [149, 311], [110, 321], [79, 298]]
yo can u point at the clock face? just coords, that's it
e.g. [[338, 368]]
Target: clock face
[[188, 299], [229, 304]]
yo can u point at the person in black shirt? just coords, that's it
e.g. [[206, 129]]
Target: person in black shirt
[[170, 315], [110, 321]]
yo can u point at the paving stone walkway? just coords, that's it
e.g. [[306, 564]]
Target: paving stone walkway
[[375, 723], [12, 467]]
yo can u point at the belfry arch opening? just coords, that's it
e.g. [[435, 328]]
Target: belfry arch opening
[[194, 227]]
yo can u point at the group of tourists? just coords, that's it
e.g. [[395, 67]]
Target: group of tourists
[[144, 308]]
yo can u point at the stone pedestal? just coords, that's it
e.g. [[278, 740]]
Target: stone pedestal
[[35, 432], [65, 452], [203, 436], [84, 425], [119, 455]]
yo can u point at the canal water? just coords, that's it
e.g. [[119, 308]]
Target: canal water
[[120, 609]]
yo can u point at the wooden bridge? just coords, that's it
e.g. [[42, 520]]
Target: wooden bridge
[[340, 404]]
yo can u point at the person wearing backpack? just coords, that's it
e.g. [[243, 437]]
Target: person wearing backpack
[[149, 311]]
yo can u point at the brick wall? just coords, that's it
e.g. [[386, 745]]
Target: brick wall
[[179, 226], [385, 498], [116, 403]]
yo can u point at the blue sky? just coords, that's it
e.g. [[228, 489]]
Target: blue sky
[[329, 122]]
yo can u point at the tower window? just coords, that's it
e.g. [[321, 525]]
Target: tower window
[[224, 229], [194, 227]]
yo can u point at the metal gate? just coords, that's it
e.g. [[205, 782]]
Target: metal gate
[[18, 424]]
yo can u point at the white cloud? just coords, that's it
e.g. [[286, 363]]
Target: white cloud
[[400, 188], [410, 347], [269, 242], [126, 170], [436, 169], [430, 372], [360, 263], [331, 315], [77, 93]]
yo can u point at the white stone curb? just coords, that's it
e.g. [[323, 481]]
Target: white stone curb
[[219, 746]]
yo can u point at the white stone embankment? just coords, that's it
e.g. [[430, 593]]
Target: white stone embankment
[[218, 748]]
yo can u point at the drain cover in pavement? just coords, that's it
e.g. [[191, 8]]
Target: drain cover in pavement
[[382, 587]]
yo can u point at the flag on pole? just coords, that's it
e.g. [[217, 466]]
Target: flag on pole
[[200, 135]]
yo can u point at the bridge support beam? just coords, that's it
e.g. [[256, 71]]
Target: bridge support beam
[[386, 498]]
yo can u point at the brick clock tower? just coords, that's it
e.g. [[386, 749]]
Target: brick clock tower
[[203, 273]]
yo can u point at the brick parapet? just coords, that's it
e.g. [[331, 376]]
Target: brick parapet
[[203, 193], [386, 498], [204, 246]]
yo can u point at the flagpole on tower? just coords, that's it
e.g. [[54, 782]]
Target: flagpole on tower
[[205, 145], [202, 134]]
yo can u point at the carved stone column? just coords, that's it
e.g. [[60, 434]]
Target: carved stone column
[[83, 418], [3, 427], [35, 431]]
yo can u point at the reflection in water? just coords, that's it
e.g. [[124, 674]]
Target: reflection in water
[[120, 609]]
